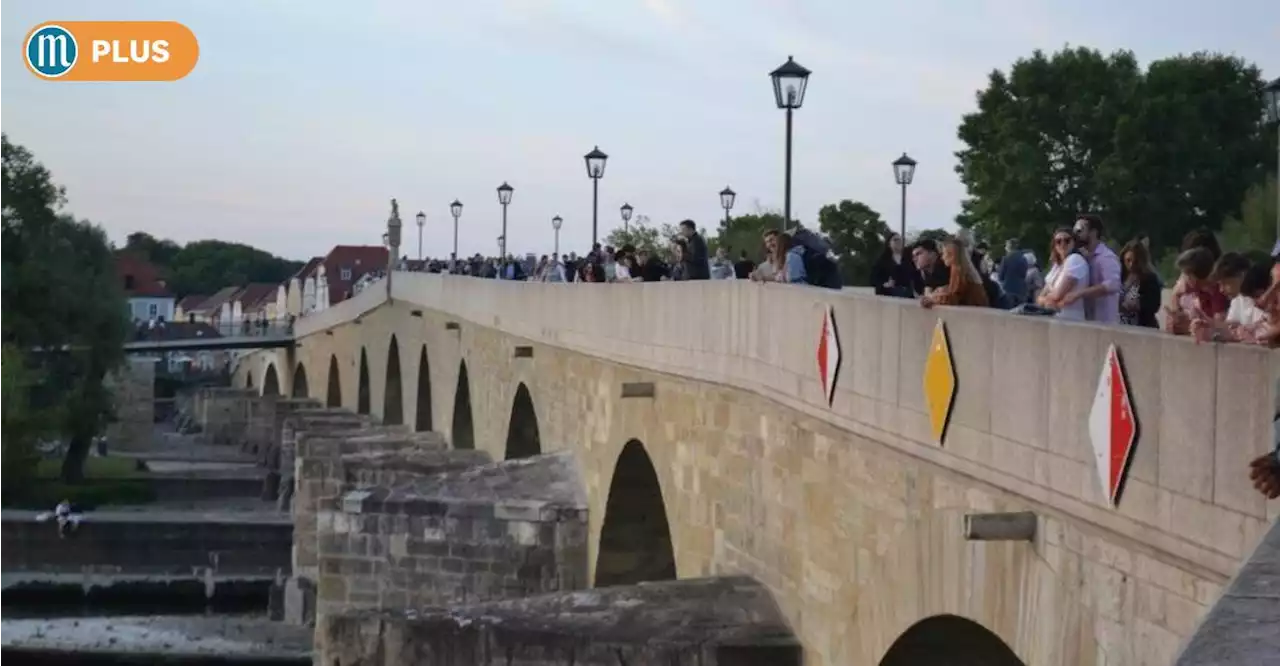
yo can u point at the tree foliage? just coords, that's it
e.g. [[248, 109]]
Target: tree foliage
[[1253, 231], [203, 267], [64, 311], [745, 232], [857, 235], [1162, 151], [644, 236]]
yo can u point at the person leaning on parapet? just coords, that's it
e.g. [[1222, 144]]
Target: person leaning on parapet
[[697, 264]]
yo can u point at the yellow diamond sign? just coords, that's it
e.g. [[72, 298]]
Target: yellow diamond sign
[[939, 381]]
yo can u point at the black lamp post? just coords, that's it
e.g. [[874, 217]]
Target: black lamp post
[[904, 169], [504, 198], [422, 222], [789, 83], [1272, 95], [595, 171], [727, 196], [455, 209], [555, 225], [626, 217]]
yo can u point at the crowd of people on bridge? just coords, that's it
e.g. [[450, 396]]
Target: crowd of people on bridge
[[796, 256], [1218, 296]]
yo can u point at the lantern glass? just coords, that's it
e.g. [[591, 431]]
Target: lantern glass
[[726, 198], [595, 163], [455, 209], [626, 212], [556, 222], [422, 218], [504, 194], [904, 170], [789, 83]]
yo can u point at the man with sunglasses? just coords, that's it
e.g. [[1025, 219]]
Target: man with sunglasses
[[1102, 296]]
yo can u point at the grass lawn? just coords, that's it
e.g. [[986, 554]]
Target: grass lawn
[[109, 467], [108, 480]]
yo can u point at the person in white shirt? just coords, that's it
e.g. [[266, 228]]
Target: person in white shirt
[[1069, 275]]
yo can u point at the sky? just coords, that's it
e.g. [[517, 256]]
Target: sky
[[302, 119]]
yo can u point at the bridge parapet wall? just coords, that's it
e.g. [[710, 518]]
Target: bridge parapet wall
[[1024, 388]]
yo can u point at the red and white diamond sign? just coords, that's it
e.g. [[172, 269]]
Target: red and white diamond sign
[[1112, 427], [829, 355]]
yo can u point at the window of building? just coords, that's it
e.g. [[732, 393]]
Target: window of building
[[153, 310], [128, 283], [346, 273]]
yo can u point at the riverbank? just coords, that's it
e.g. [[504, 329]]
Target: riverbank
[[241, 639]]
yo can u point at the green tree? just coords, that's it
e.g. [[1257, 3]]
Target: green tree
[[205, 266], [159, 252], [1160, 152], [857, 237], [23, 426], [936, 235], [63, 304], [1253, 232], [644, 236], [745, 232]]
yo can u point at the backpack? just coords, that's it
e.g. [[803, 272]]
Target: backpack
[[819, 268]]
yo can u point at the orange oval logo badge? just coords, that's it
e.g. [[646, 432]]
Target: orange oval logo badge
[[111, 50]]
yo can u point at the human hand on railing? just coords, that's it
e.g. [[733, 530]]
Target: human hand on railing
[[1264, 471]]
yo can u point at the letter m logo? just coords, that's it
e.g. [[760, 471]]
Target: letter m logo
[[53, 50]]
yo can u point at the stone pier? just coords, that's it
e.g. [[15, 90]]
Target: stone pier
[[730, 621], [502, 530]]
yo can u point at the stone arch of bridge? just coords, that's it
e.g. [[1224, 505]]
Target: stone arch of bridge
[[463, 432], [333, 396], [635, 538], [270, 381], [422, 416], [952, 640], [362, 389], [300, 388], [393, 392], [523, 439]]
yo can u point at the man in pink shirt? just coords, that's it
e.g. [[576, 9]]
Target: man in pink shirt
[[1102, 296]]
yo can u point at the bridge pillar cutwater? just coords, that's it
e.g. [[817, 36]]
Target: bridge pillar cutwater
[[703, 622], [475, 533]]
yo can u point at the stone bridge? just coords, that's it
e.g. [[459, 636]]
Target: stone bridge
[[932, 490]]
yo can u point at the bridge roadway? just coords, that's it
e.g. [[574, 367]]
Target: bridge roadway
[[848, 510]]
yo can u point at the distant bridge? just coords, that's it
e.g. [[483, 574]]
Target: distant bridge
[[200, 336]]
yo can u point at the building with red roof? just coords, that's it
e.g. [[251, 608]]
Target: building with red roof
[[144, 286]]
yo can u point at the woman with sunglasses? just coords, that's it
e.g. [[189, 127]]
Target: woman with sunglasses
[[1069, 273]]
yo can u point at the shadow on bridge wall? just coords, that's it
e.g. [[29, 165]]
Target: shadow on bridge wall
[[300, 389], [392, 395], [950, 640], [333, 397], [362, 390], [635, 541], [464, 432], [422, 418], [270, 381], [522, 429]]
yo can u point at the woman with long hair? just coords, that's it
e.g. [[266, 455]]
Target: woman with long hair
[[1139, 287], [965, 286]]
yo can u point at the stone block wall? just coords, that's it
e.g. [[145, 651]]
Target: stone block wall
[[503, 530], [133, 389], [223, 415], [730, 621]]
